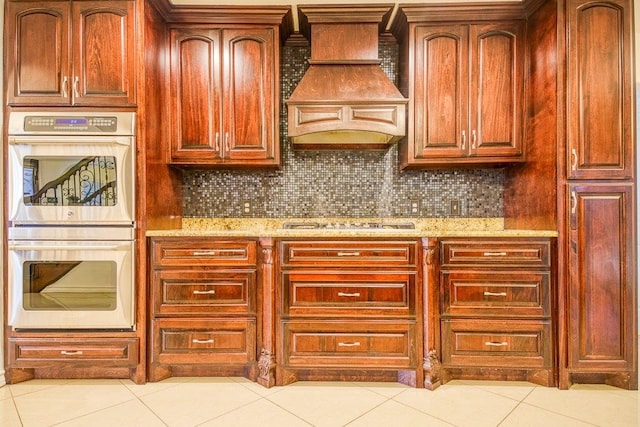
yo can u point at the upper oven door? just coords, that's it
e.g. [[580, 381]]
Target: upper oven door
[[71, 180]]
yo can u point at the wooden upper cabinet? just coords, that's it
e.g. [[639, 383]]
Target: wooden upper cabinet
[[71, 53], [467, 85], [224, 96], [600, 90]]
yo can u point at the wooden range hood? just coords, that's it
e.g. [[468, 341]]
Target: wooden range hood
[[345, 100]]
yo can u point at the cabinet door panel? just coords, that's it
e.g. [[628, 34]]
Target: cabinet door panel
[[602, 281], [600, 91], [250, 84], [497, 52], [38, 59], [440, 91], [196, 96], [104, 53]]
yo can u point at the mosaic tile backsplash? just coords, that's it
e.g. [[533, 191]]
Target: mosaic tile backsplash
[[339, 183]]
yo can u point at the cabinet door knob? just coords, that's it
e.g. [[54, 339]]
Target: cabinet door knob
[[345, 294], [473, 139], [494, 294], [205, 253], [76, 93], [496, 344], [494, 254], [349, 344], [71, 353], [197, 341], [65, 86], [574, 202], [217, 141], [574, 159], [209, 292], [464, 140], [348, 253]]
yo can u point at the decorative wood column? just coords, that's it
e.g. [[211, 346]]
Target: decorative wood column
[[430, 292], [266, 304]]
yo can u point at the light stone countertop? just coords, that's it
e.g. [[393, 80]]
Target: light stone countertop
[[272, 227]]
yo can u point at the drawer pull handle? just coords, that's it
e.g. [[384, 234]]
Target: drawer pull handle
[[197, 341], [349, 344], [496, 344], [348, 253], [494, 294], [344, 294], [205, 253], [494, 254], [209, 292], [71, 353]]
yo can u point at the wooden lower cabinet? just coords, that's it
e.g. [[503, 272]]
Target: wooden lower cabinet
[[202, 306], [601, 316], [72, 355], [496, 309], [348, 309]]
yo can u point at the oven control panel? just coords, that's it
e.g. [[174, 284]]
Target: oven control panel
[[80, 124]]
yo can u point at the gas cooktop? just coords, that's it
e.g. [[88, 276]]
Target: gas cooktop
[[348, 226]]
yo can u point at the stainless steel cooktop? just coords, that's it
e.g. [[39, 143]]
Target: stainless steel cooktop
[[348, 226]]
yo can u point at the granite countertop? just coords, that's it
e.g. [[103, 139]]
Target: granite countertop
[[273, 227]]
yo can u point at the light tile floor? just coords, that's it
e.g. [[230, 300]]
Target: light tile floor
[[239, 402]]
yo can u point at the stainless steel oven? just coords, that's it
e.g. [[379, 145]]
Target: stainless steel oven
[[71, 220], [71, 278], [71, 168]]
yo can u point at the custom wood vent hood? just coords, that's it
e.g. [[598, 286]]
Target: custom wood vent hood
[[345, 100]]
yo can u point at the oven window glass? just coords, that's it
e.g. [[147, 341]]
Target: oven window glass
[[69, 285], [69, 181]]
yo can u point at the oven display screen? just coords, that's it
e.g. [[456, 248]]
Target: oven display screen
[[72, 121]]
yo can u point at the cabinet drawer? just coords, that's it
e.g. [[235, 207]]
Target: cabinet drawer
[[512, 343], [84, 352], [178, 252], [208, 292], [348, 293], [349, 253], [516, 252], [349, 344], [191, 341], [495, 293]]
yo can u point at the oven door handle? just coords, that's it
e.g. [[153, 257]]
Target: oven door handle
[[13, 247]]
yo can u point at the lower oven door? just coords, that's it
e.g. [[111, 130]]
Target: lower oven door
[[71, 284]]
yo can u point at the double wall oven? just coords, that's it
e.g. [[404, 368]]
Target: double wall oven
[[71, 220]]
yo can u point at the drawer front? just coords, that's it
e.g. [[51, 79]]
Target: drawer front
[[85, 352], [349, 344], [181, 252], [516, 343], [349, 253], [516, 252], [348, 294], [495, 293], [208, 292], [195, 341]]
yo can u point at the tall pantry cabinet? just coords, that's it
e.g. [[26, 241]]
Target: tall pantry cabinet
[[598, 309]]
